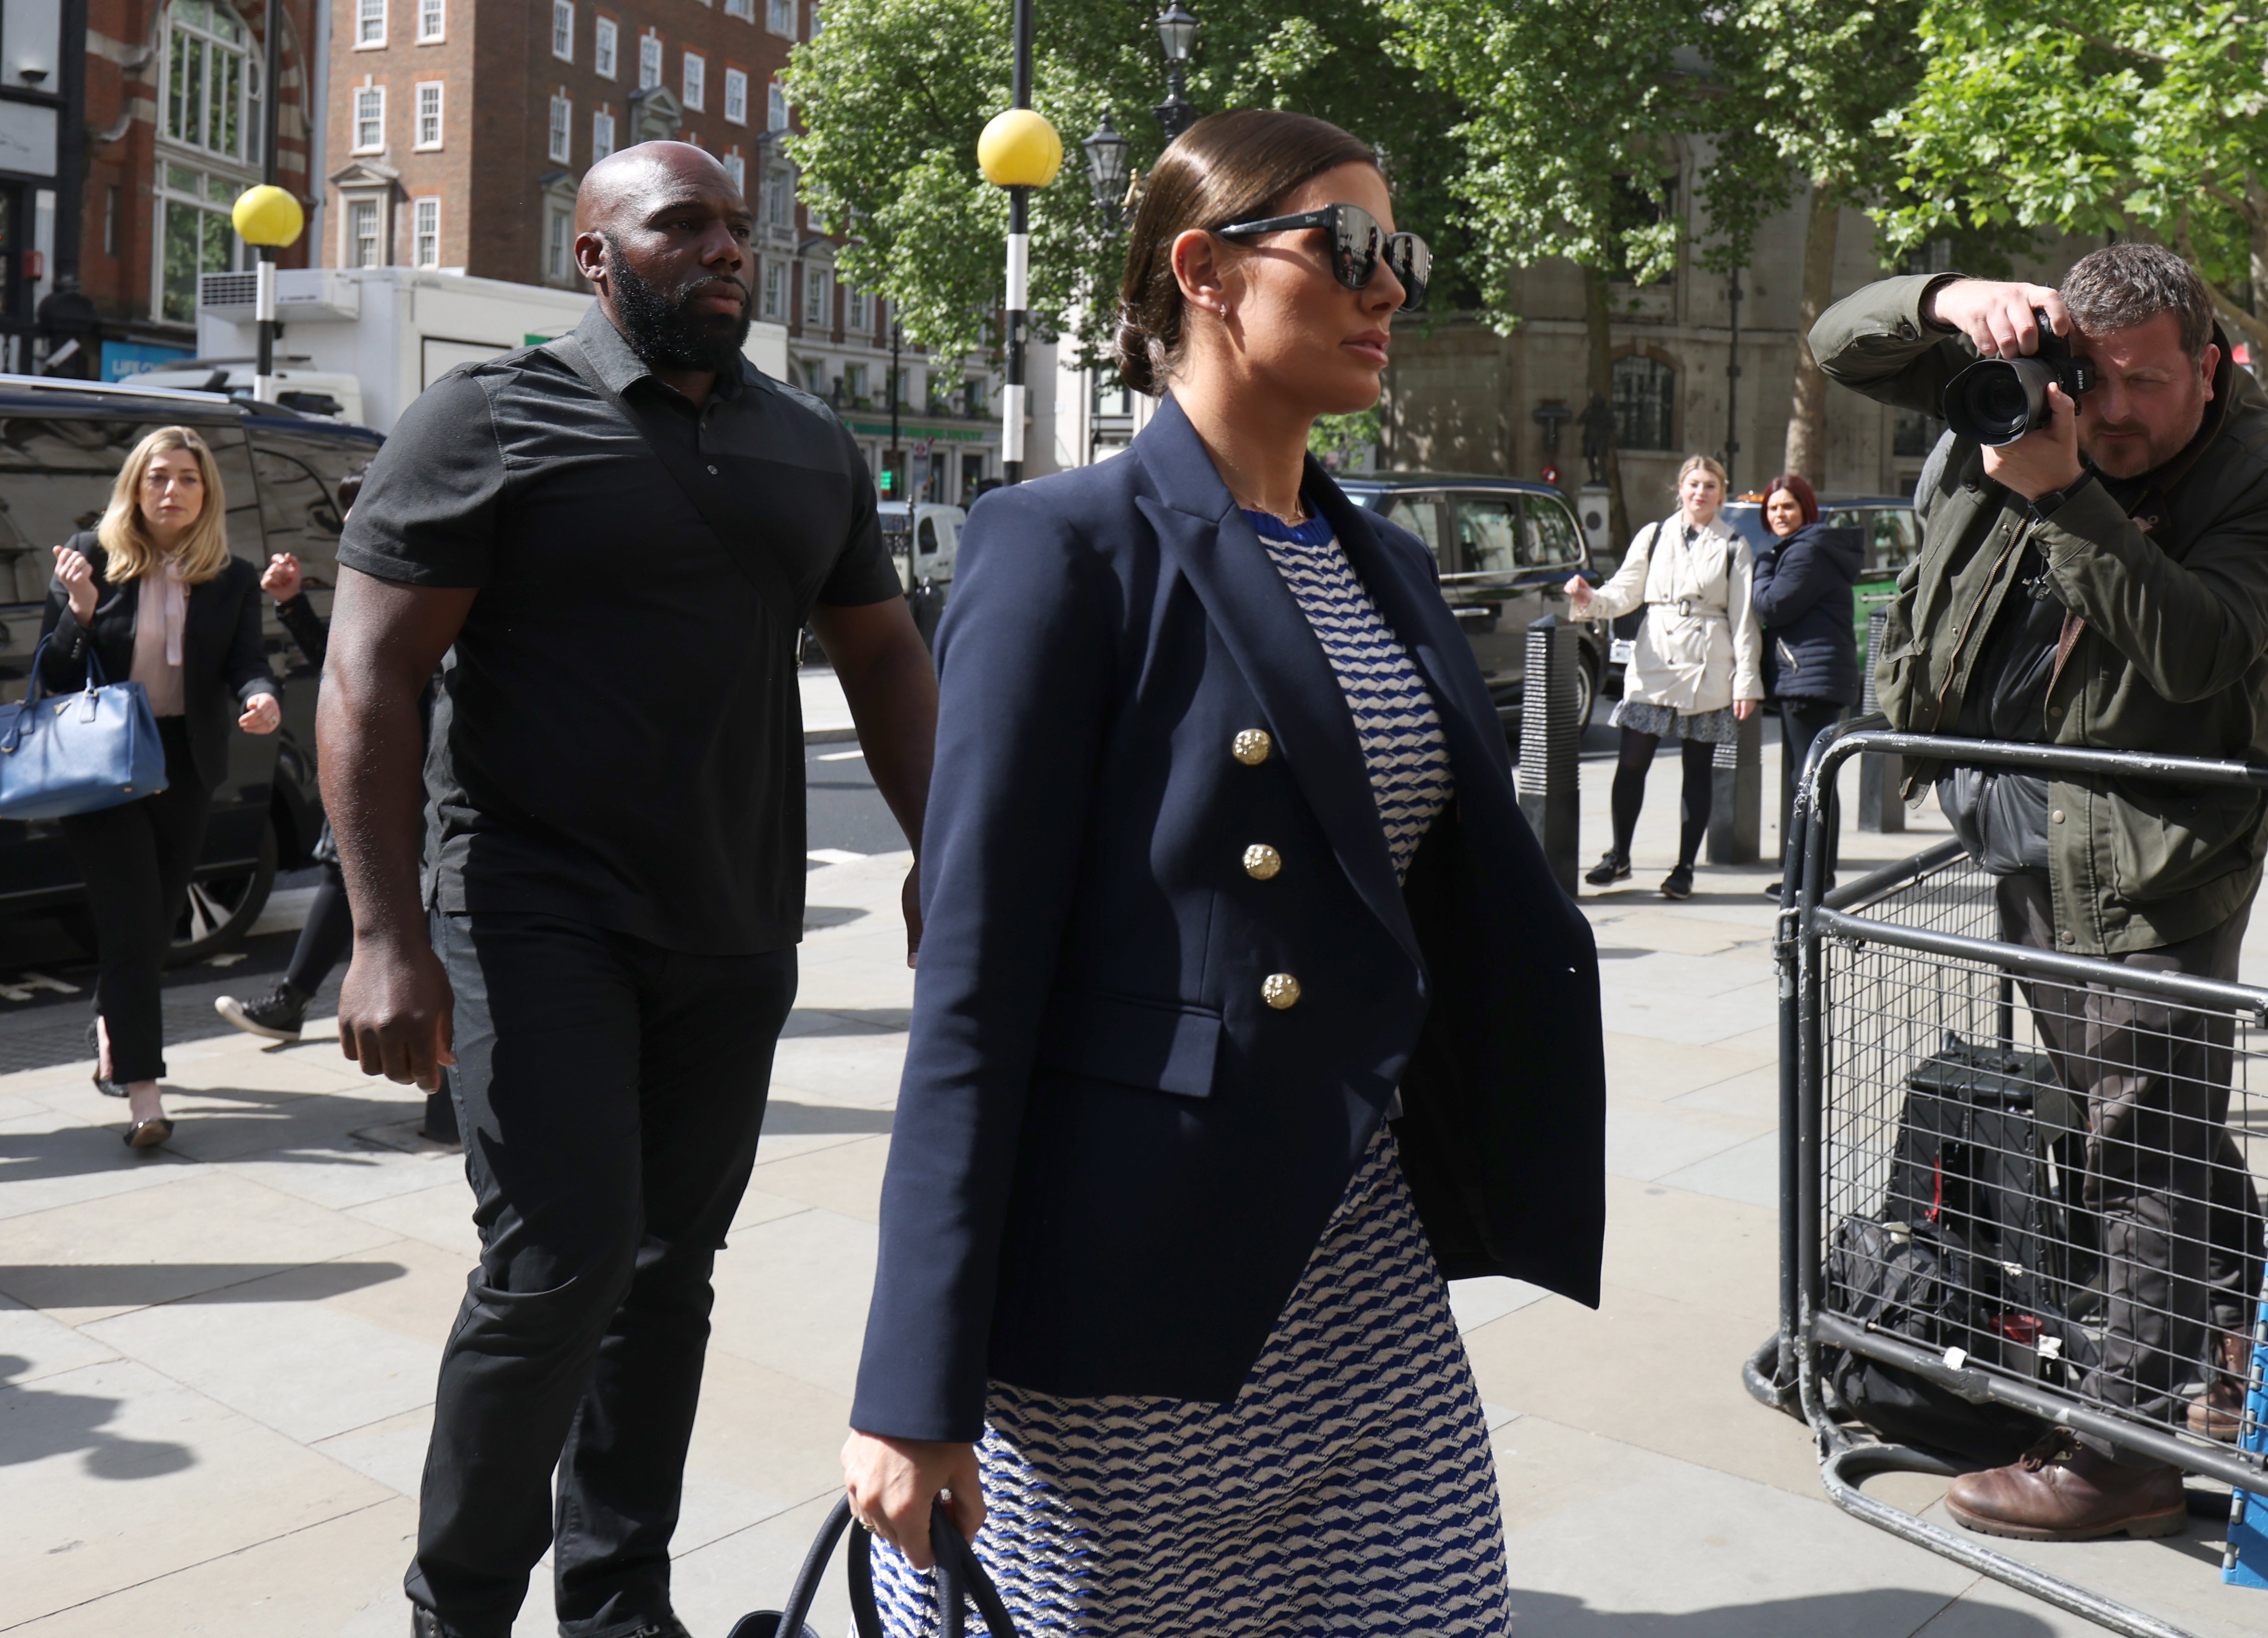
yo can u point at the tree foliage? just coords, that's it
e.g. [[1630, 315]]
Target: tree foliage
[[893, 93], [2141, 117]]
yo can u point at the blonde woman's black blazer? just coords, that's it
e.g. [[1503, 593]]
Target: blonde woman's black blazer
[[223, 662]]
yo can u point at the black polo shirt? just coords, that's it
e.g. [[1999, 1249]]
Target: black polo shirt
[[619, 738]]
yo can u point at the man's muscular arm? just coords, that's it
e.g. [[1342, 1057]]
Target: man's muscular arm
[[385, 639]]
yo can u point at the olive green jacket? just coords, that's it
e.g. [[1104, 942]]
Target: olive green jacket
[[2165, 635]]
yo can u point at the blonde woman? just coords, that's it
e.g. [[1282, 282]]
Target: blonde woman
[[152, 594], [1696, 670]]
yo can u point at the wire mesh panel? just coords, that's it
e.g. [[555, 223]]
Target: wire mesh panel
[[2052, 1180]]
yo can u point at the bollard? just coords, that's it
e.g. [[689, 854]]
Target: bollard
[[1736, 803], [1880, 808], [1551, 740]]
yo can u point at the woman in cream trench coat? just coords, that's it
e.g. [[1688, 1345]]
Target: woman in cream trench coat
[[1696, 668]]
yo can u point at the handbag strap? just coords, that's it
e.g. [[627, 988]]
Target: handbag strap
[[961, 1576], [736, 531], [95, 680]]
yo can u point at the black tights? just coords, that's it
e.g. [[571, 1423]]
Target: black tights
[[328, 930], [1699, 757]]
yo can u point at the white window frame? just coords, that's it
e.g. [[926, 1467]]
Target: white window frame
[[737, 169], [857, 311], [778, 205], [695, 82], [353, 214], [426, 231], [736, 96], [602, 135], [772, 21], [775, 107], [649, 61], [376, 94], [773, 295], [419, 142], [435, 13], [563, 22], [745, 9], [559, 245], [606, 48], [201, 57], [561, 135], [818, 297], [368, 12]]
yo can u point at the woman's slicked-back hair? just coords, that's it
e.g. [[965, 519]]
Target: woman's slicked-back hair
[[1228, 167]]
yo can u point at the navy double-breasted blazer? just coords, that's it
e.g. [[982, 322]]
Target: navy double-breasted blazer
[[1112, 1155]]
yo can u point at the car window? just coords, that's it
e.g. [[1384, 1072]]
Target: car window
[[925, 538], [300, 510], [1548, 537], [1421, 515], [1893, 533], [1488, 531]]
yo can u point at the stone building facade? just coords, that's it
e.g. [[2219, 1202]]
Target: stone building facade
[[1461, 398], [174, 120]]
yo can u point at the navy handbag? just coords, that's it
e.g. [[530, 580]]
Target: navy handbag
[[79, 753], [961, 1576]]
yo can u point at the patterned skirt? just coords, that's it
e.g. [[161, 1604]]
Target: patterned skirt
[[1348, 1489], [1715, 727]]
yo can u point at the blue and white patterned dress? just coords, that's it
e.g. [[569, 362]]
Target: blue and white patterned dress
[[1348, 1489]]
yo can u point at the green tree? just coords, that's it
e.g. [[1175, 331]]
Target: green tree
[[2142, 117], [1571, 113], [1805, 85], [892, 94]]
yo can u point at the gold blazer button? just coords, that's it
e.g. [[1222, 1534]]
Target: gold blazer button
[[1262, 862], [1280, 990], [1251, 747]]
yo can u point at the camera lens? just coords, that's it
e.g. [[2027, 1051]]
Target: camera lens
[[1997, 400]]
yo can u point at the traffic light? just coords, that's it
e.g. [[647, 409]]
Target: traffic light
[[889, 481]]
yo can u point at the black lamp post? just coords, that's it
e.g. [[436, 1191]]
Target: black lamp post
[[1105, 171], [1177, 33]]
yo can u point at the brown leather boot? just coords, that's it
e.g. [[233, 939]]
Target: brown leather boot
[[2061, 1491], [2218, 1412]]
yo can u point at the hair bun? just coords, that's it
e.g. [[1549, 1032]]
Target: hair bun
[[1136, 352]]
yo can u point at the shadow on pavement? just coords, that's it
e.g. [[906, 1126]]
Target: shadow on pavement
[[141, 1285], [1879, 1613], [42, 1423], [782, 1118]]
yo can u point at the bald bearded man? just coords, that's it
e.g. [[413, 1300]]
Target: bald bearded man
[[615, 538]]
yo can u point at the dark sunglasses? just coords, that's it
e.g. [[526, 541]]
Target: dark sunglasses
[[1356, 245]]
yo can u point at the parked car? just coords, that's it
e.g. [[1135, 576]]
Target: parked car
[[61, 444], [923, 538], [1506, 548], [1892, 533]]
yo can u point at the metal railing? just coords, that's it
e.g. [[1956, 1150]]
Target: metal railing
[[2023, 1183]]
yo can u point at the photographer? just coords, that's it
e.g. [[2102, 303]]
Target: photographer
[[2102, 581]]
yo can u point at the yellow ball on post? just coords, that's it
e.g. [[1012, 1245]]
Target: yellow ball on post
[[266, 215], [1019, 149]]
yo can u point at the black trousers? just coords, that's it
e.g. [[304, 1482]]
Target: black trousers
[[610, 1093], [136, 859], [325, 935], [2174, 1201], [1802, 721]]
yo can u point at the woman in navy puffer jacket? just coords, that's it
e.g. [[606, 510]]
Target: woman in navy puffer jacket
[[1803, 597]]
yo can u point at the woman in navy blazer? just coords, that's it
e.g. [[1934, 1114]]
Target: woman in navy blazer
[[1203, 1100]]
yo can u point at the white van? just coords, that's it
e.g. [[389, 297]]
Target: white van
[[923, 538], [322, 392]]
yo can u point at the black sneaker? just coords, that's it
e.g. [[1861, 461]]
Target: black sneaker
[[1678, 884], [1611, 869], [276, 1015]]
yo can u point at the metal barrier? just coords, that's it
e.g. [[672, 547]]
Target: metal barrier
[[1953, 1212]]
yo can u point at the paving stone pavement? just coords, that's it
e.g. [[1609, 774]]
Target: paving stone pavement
[[216, 1364]]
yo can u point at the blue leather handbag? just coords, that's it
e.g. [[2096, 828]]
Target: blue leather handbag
[[79, 753]]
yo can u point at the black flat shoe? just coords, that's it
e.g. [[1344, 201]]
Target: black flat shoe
[[149, 1133], [108, 1089], [1611, 869], [1678, 884]]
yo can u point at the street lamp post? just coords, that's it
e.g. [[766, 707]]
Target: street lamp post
[[1105, 171], [1177, 33], [1019, 150]]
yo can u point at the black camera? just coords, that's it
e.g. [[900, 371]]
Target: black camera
[[1997, 400]]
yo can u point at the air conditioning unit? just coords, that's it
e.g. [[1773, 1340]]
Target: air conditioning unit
[[303, 296]]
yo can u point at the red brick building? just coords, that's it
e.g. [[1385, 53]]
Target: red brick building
[[460, 129], [175, 112]]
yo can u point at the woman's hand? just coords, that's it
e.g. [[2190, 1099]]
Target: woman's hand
[[1743, 709], [263, 716], [892, 1482], [1579, 592], [281, 579], [78, 575]]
